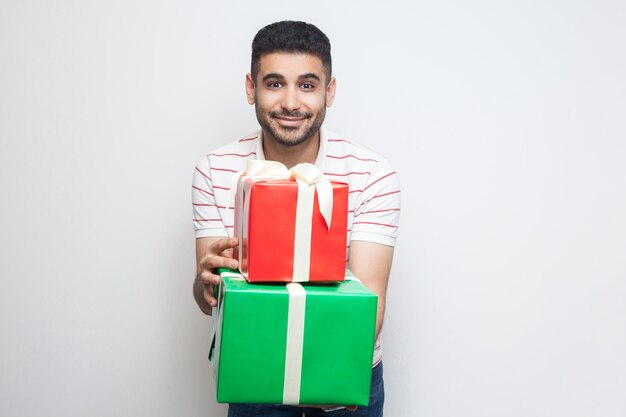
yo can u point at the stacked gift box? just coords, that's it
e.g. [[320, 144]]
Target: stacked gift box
[[293, 326]]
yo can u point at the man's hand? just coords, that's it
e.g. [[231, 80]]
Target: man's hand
[[211, 253]]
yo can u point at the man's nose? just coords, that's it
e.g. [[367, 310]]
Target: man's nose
[[291, 99]]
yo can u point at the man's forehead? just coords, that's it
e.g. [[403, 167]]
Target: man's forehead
[[290, 63]]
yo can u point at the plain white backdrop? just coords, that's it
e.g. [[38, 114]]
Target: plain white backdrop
[[505, 120]]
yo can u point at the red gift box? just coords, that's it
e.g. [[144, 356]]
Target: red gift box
[[283, 236]]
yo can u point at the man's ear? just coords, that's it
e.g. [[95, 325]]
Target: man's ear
[[250, 88], [330, 92]]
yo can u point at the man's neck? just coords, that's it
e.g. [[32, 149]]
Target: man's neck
[[292, 155]]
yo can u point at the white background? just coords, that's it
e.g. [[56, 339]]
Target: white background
[[505, 120]]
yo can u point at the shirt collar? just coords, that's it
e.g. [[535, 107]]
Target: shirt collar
[[321, 153]]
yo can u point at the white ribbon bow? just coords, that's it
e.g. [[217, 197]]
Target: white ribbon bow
[[307, 176]]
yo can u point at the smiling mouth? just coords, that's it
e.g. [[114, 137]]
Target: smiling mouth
[[286, 121], [289, 119]]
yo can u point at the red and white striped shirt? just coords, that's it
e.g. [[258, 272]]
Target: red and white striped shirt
[[374, 190], [373, 187]]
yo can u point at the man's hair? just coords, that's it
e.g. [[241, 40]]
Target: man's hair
[[294, 37]]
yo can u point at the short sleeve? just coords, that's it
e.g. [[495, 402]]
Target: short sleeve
[[377, 214], [207, 220]]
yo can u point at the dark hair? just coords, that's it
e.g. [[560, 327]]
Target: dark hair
[[291, 36]]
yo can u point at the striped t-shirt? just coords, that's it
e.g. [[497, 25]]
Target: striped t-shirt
[[373, 189]]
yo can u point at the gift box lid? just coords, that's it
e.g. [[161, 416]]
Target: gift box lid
[[351, 286]]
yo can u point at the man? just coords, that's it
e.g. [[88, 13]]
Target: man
[[291, 85]]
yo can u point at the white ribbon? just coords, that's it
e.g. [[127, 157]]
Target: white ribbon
[[261, 170], [303, 233], [232, 275], [305, 173], [310, 179], [310, 176], [295, 343]]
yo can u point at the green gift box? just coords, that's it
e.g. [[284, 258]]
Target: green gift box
[[293, 344]]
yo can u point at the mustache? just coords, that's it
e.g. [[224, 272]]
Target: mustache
[[295, 114]]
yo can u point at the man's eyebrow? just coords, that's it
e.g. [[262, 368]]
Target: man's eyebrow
[[309, 75], [273, 75], [277, 76]]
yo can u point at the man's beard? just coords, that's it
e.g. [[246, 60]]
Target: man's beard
[[291, 138]]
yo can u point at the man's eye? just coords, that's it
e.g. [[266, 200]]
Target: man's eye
[[307, 86], [274, 85]]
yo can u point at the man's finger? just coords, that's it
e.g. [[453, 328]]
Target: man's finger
[[221, 245], [208, 278], [209, 296], [211, 262]]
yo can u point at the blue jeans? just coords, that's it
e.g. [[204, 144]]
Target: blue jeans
[[374, 409]]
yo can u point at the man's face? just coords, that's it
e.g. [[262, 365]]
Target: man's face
[[290, 96]]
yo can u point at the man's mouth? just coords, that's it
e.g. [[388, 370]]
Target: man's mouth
[[290, 121]]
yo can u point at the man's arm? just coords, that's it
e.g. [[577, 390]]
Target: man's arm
[[211, 253], [371, 263]]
